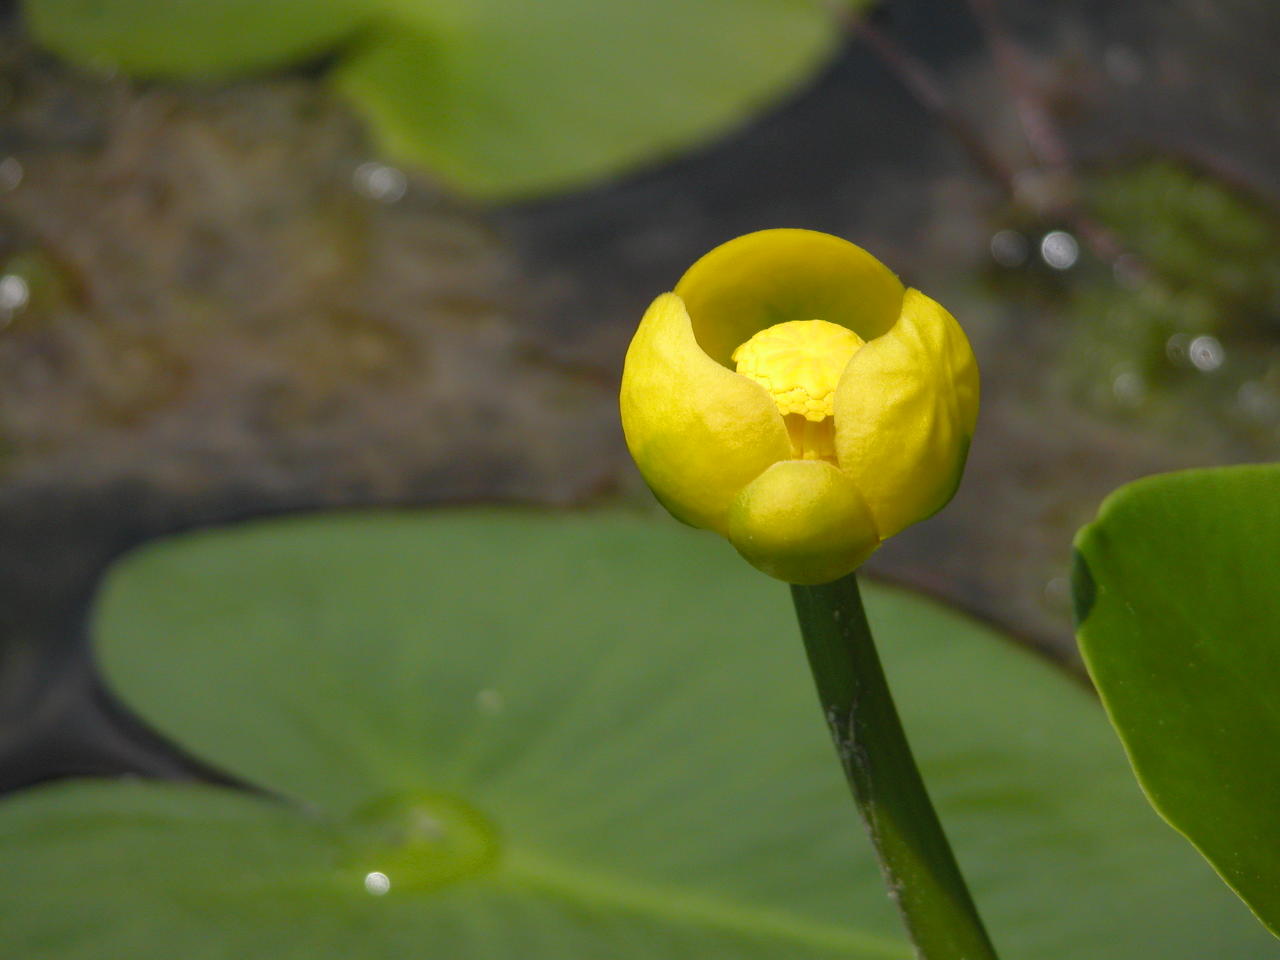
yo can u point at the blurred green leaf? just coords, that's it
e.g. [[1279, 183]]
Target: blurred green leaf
[[214, 38], [1206, 271], [1198, 235], [501, 98], [1178, 590], [563, 736]]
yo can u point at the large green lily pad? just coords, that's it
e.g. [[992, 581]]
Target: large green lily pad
[[1178, 586], [502, 98], [563, 736]]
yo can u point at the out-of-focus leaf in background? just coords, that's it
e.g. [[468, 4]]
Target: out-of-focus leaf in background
[[200, 38], [563, 736], [501, 98], [1178, 588], [1196, 234], [1212, 289]]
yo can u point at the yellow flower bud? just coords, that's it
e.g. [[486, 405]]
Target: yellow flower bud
[[792, 396]]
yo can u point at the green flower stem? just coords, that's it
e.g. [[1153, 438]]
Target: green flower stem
[[919, 867]]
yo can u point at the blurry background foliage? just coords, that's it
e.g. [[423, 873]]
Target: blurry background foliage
[[1201, 280], [500, 98]]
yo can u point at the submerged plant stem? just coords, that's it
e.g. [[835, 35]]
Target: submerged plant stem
[[915, 857]]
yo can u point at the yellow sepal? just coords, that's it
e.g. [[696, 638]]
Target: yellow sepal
[[803, 521], [698, 432], [905, 411]]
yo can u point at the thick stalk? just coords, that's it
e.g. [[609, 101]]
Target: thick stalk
[[915, 857]]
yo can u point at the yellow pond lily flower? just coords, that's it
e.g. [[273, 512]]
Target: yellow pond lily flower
[[793, 396]]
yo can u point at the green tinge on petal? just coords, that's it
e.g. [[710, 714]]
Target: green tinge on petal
[[772, 276], [698, 432], [803, 521], [905, 411]]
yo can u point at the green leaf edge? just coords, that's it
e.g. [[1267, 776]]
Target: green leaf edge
[[1084, 589]]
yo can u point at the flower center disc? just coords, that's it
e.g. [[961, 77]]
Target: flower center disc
[[800, 362]]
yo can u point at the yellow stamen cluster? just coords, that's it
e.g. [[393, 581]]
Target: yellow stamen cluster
[[800, 362]]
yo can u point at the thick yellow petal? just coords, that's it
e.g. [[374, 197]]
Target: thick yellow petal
[[905, 411], [773, 276], [803, 521], [698, 432]]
